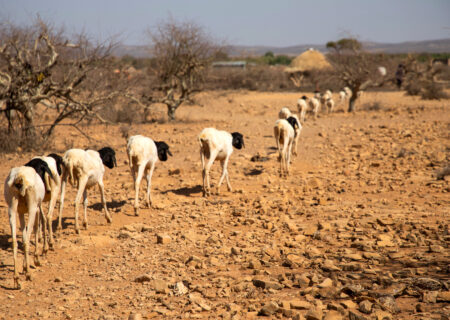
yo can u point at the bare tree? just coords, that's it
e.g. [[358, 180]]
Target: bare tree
[[40, 65], [181, 52], [355, 68]]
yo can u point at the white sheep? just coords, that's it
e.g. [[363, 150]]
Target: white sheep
[[24, 191], [348, 92], [52, 188], [342, 96], [284, 132], [286, 113], [143, 153], [217, 144], [84, 169], [302, 107], [330, 105], [314, 104]]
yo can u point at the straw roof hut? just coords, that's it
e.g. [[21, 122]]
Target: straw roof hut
[[307, 61]]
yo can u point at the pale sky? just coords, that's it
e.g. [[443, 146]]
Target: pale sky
[[247, 22]]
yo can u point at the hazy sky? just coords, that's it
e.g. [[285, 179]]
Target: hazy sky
[[247, 22]]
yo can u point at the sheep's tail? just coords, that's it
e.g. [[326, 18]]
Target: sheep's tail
[[20, 183], [204, 145]]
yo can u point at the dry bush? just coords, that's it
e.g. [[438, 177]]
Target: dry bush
[[16, 141], [255, 78], [125, 114], [372, 106]]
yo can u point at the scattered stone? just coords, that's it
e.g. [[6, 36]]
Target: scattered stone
[[429, 296], [326, 283], [365, 306], [163, 238], [333, 315], [428, 284], [268, 309], [355, 315], [382, 315], [265, 284], [160, 286], [436, 248], [135, 316], [196, 298], [143, 278], [299, 304], [389, 303], [443, 296], [328, 265], [349, 304], [314, 314], [179, 289]]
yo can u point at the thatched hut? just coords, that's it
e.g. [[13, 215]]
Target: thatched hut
[[305, 63]]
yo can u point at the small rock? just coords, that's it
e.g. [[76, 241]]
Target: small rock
[[268, 309], [174, 171], [382, 315], [349, 304], [163, 238], [436, 248], [429, 296], [333, 315], [365, 306], [325, 283], [143, 278], [135, 316], [299, 304], [179, 289], [196, 298], [355, 315], [314, 314], [443, 296], [428, 284], [265, 284], [160, 286]]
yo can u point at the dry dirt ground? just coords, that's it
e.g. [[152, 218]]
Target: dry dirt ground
[[359, 230]]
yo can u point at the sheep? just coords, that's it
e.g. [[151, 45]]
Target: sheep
[[284, 132], [286, 113], [314, 104], [330, 105], [325, 96], [217, 144], [143, 153], [24, 191], [348, 92], [342, 96], [52, 188], [302, 107], [85, 169]]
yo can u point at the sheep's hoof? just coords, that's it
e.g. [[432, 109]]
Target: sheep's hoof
[[136, 212], [85, 225], [37, 262], [77, 231], [108, 219], [28, 276]]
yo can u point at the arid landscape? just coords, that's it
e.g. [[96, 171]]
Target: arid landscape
[[359, 230]]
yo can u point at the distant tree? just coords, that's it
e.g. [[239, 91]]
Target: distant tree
[[181, 52], [40, 65], [355, 68]]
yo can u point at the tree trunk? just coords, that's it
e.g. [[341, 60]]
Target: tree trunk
[[29, 129], [351, 103]]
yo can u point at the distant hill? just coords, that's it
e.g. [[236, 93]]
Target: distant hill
[[429, 46]]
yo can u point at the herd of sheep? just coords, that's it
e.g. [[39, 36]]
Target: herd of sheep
[[44, 178]]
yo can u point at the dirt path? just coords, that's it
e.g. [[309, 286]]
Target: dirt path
[[361, 225]]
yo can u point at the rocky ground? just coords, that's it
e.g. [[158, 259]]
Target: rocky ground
[[359, 230]]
